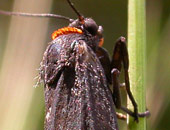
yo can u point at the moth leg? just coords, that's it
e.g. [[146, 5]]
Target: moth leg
[[122, 85], [120, 56], [117, 98], [143, 114], [121, 116], [116, 85]]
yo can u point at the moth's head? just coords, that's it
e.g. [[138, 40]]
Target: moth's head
[[89, 28]]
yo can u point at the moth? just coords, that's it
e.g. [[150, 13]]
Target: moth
[[77, 72]]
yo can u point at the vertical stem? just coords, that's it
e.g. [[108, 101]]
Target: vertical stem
[[136, 48]]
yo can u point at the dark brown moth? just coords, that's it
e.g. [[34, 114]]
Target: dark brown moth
[[77, 71]]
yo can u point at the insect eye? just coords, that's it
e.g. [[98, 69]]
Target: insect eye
[[91, 26], [92, 30]]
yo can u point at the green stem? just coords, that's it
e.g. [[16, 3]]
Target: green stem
[[136, 48]]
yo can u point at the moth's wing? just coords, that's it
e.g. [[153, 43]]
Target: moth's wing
[[52, 73], [79, 99], [51, 63], [93, 97]]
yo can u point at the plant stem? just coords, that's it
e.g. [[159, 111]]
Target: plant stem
[[136, 48]]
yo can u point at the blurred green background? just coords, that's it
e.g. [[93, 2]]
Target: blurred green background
[[24, 39]]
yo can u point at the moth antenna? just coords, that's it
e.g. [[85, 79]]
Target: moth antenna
[[36, 15], [81, 18]]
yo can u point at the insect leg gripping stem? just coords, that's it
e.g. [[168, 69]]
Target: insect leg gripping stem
[[120, 56]]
